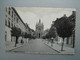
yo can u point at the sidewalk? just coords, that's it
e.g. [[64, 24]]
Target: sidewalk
[[57, 47], [11, 45]]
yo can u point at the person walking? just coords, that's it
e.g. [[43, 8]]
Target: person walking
[[22, 41], [52, 41]]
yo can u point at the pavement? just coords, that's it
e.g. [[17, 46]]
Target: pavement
[[39, 45], [35, 46], [57, 47], [11, 45]]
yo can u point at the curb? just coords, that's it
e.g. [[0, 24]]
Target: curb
[[52, 48], [14, 48]]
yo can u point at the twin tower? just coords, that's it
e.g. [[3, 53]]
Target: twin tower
[[39, 29]]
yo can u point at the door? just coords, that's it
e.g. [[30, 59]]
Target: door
[[39, 35]]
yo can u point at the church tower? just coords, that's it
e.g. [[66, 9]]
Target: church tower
[[39, 29]]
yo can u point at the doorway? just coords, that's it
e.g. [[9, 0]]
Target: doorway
[[39, 35]]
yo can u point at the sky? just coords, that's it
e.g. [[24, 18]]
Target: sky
[[31, 15]]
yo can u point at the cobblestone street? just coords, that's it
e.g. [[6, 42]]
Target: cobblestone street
[[35, 46]]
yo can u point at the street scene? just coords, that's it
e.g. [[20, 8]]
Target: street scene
[[38, 30]]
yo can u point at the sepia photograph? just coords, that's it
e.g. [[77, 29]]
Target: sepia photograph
[[40, 30]]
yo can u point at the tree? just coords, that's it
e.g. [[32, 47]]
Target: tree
[[43, 37], [64, 28], [67, 42], [52, 33], [48, 35], [22, 34], [16, 32]]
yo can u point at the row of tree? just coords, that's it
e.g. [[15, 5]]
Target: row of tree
[[51, 34], [64, 26], [16, 32]]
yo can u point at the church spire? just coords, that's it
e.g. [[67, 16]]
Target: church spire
[[39, 20]]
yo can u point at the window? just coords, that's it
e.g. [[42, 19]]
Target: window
[[9, 11], [17, 20], [12, 14], [5, 22], [39, 28], [9, 22]]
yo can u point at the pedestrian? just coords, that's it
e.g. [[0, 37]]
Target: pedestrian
[[52, 41], [22, 41]]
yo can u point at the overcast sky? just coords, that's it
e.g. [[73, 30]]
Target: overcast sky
[[31, 15]]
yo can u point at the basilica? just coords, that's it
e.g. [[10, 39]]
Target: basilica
[[39, 28]]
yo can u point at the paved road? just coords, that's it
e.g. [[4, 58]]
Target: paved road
[[36, 45]]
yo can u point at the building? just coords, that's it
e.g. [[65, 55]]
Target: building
[[13, 20], [30, 31], [39, 29]]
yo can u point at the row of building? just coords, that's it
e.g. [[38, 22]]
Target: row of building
[[14, 20]]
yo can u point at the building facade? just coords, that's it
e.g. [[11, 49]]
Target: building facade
[[30, 31], [13, 20], [39, 29]]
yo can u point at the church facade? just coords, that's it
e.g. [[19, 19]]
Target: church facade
[[39, 29]]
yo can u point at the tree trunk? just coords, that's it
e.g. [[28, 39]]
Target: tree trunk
[[62, 45], [67, 42], [16, 41], [73, 39]]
